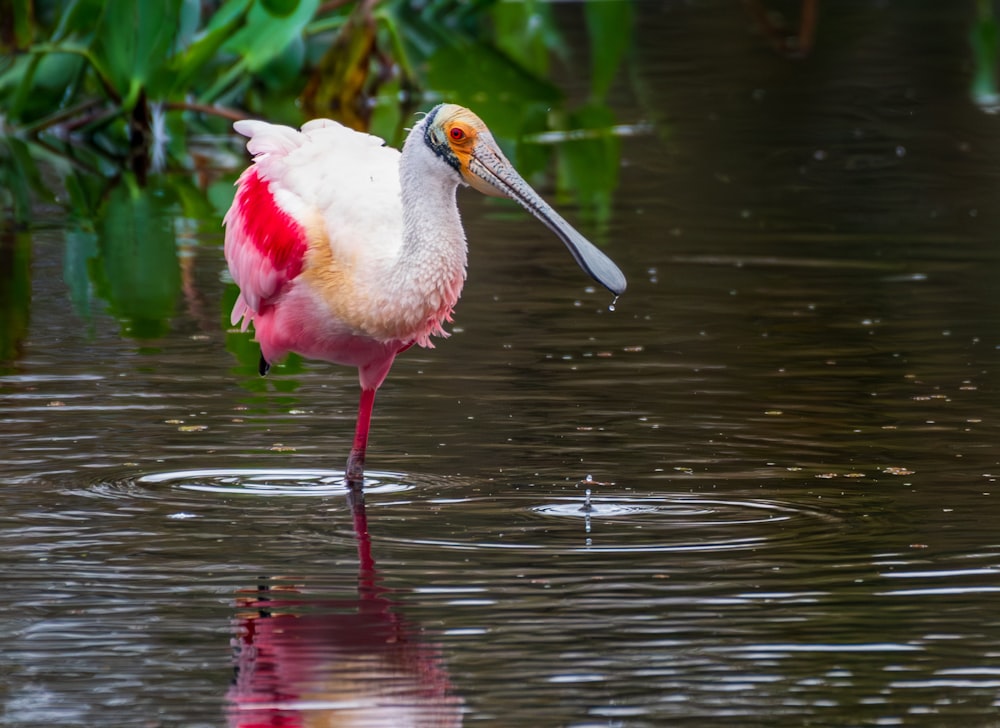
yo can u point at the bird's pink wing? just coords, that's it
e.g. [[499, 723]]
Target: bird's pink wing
[[264, 247], [289, 185]]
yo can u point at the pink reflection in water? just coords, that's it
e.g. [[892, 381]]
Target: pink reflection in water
[[353, 662]]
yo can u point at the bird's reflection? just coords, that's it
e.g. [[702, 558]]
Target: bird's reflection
[[303, 661]]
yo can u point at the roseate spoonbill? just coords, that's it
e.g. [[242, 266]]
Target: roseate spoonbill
[[351, 252]]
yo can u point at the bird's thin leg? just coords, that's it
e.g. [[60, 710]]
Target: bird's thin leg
[[356, 461]]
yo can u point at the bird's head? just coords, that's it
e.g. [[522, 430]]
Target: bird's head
[[460, 139]]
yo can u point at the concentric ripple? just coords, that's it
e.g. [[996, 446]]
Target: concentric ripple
[[554, 520], [627, 523], [708, 511], [206, 485], [274, 482], [685, 522]]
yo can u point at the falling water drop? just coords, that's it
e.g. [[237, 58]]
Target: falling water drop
[[587, 508], [611, 306]]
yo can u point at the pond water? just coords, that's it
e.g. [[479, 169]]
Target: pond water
[[761, 491]]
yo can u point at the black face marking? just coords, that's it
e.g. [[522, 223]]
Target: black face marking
[[439, 145]]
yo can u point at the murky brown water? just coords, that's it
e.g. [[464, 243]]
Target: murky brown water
[[790, 422]]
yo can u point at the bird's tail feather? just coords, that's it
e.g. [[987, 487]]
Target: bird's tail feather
[[241, 311]]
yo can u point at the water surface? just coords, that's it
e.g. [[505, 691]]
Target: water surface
[[788, 423]]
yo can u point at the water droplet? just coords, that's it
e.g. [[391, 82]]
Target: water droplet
[[587, 505], [611, 306]]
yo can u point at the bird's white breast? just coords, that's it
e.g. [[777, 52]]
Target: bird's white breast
[[380, 273]]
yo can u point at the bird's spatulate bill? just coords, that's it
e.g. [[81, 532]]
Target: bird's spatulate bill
[[587, 255], [489, 166]]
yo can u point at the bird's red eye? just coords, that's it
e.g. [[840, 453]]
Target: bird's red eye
[[457, 134]]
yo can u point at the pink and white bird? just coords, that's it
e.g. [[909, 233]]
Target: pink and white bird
[[351, 252]]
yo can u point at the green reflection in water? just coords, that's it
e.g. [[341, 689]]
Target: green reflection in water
[[137, 271], [15, 293]]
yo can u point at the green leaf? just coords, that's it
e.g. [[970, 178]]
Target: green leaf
[[285, 70], [526, 31], [184, 66], [280, 8], [76, 20], [265, 36], [609, 24], [132, 41], [188, 22], [85, 193], [20, 177], [35, 85], [23, 21]]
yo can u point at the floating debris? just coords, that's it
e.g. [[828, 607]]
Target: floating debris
[[897, 470]]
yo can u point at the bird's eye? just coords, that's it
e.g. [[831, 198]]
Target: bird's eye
[[457, 134]]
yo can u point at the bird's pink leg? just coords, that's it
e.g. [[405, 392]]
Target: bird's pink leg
[[356, 460], [371, 376]]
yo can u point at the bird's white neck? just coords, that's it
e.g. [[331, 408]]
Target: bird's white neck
[[431, 222], [428, 275]]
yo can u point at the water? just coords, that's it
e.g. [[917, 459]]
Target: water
[[787, 428]]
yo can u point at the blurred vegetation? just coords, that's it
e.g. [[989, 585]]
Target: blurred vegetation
[[113, 85], [119, 113]]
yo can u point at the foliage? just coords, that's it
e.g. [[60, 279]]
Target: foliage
[[99, 97], [135, 79]]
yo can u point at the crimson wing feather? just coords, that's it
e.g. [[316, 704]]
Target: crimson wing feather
[[265, 247]]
